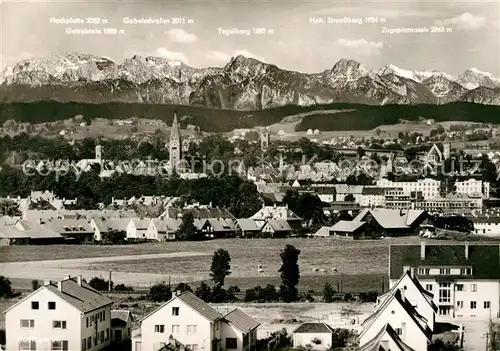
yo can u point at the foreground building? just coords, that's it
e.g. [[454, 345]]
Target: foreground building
[[189, 322], [465, 279], [317, 336], [65, 315]]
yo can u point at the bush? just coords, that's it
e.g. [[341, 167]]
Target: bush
[[348, 297], [100, 284], [160, 292], [370, 296], [123, 287], [5, 287], [259, 294], [35, 285]]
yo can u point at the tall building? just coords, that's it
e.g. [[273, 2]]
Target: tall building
[[265, 140], [98, 153], [175, 144]]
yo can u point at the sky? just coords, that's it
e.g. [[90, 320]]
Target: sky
[[471, 35]]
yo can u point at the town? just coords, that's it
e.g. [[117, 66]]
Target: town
[[242, 241]]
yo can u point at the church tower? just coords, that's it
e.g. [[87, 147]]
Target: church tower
[[98, 152], [265, 140], [175, 144]]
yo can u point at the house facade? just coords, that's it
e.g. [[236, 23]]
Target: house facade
[[64, 315], [465, 279], [317, 336], [189, 321]]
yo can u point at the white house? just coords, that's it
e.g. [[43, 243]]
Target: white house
[[397, 311], [137, 228], [64, 315], [421, 299], [386, 340], [318, 336], [465, 278], [187, 320], [163, 229], [488, 226]]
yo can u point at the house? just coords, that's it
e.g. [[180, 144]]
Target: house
[[63, 315], [372, 196], [397, 311], [121, 324], [465, 279], [386, 340], [319, 336], [137, 228], [239, 331], [392, 221], [420, 299], [100, 227], [188, 321], [278, 213], [486, 225], [277, 228], [247, 227], [163, 229], [348, 230]]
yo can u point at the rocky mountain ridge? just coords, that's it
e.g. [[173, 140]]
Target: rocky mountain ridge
[[242, 84]]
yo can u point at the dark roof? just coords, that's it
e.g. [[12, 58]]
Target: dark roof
[[373, 191], [120, 318], [484, 259], [314, 328], [202, 212], [241, 320], [83, 297]]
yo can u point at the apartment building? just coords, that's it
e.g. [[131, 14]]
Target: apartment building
[[465, 279], [64, 315]]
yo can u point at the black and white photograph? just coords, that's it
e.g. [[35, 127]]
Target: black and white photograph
[[249, 175]]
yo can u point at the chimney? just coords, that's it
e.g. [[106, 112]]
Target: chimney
[[466, 251], [79, 280], [59, 286], [422, 250], [178, 292], [412, 272], [46, 282]]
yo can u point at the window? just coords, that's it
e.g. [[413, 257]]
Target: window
[[459, 287], [84, 344], [487, 304], [191, 329], [107, 334], [27, 345], [399, 331], [231, 343], [59, 324], [216, 325], [473, 305], [27, 323], [159, 328], [89, 342], [87, 322], [428, 287], [51, 305], [421, 271], [102, 335], [473, 287], [59, 345], [103, 315], [175, 311], [35, 305], [175, 329], [460, 304], [444, 295], [465, 271], [444, 271]]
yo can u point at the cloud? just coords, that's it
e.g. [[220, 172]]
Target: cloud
[[219, 56], [464, 21], [361, 46], [171, 55], [363, 11], [180, 36]]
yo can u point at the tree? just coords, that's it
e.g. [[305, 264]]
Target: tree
[[183, 287], [360, 152], [35, 285], [9, 208], [221, 266], [100, 284], [187, 229], [349, 198], [290, 273], [160, 292], [328, 293], [5, 287], [114, 237], [204, 292]]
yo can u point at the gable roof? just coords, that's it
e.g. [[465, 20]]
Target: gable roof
[[347, 226], [120, 318], [375, 344], [406, 306], [314, 328], [82, 297], [247, 224], [484, 259], [194, 302], [276, 213], [241, 321], [429, 297], [391, 218], [279, 225]]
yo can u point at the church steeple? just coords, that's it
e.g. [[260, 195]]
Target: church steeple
[[175, 144]]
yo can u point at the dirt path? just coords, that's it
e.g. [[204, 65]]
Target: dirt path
[[56, 269]]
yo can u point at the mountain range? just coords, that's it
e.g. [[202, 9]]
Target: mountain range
[[242, 84]]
